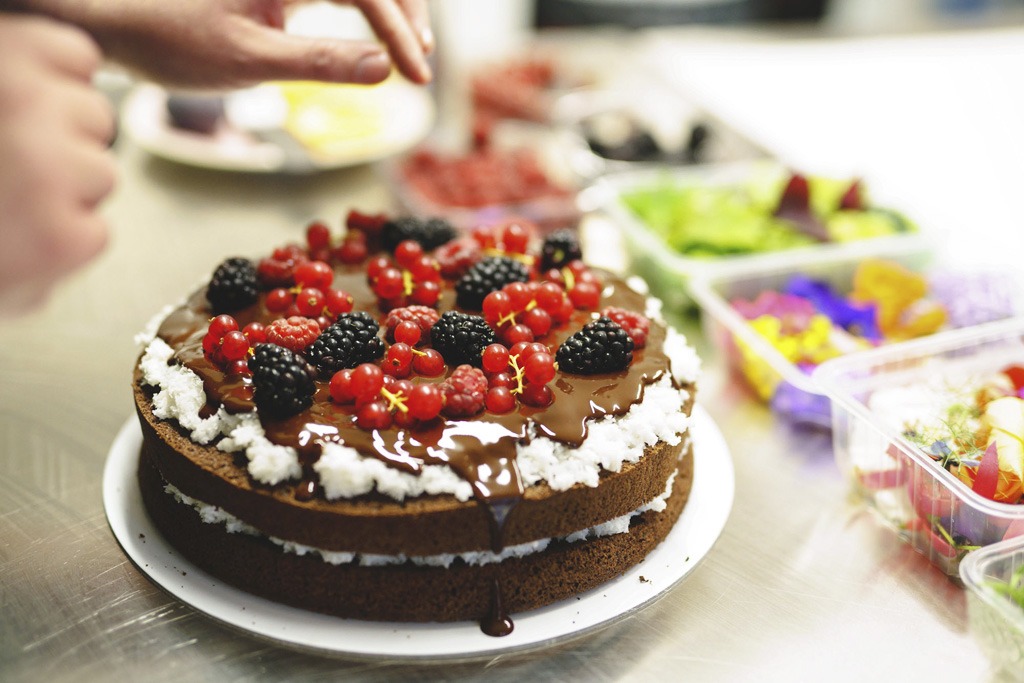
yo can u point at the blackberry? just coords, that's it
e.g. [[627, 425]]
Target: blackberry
[[234, 285], [488, 275], [282, 381], [601, 346], [351, 340], [429, 232], [559, 248], [461, 337]]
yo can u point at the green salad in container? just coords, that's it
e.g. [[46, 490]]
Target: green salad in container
[[764, 213]]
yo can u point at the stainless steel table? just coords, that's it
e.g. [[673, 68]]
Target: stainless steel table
[[802, 585]]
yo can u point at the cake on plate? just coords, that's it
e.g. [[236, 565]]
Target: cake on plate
[[413, 424]]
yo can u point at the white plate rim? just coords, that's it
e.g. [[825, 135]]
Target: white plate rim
[[699, 527], [144, 121]]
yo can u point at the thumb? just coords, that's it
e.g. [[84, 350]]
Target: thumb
[[272, 54]]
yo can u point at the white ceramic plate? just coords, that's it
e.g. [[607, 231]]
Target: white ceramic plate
[[675, 558], [394, 119]]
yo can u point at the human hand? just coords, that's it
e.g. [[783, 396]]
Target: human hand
[[54, 164], [234, 43]]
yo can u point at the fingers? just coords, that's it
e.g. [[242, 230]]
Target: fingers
[[275, 55], [419, 18], [54, 131], [404, 26], [64, 47]]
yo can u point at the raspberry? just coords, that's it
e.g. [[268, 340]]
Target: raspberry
[[294, 333], [430, 232], [457, 256], [423, 316], [278, 269], [461, 337], [233, 285], [464, 392], [601, 346], [351, 340], [282, 381], [559, 248], [486, 276], [635, 324]]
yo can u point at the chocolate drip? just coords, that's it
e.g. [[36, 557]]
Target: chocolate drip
[[498, 623]]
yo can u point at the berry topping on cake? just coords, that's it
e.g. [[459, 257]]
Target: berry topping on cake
[[294, 333], [429, 232], [559, 248], [351, 340], [282, 381], [488, 275], [423, 317], [234, 285], [635, 324], [601, 346], [461, 337], [278, 269], [457, 257], [226, 345], [464, 392]]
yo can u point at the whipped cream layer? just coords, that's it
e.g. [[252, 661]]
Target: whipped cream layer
[[211, 514]]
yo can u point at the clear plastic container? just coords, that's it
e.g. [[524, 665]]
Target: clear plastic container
[[876, 394], [996, 620], [669, 272], [774, 378]]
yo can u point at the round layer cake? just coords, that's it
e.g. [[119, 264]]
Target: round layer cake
[[323, 429]]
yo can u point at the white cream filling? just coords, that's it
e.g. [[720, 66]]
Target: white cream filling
[[211, 514], [345, 473]]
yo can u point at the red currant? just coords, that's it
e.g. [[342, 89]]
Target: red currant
[[398, 360], [537, 395], [408, 253], [221, 325], [338, 301], [318, 236], [389, 283], [538, 320], [499, 400], [586, 295], [311, 302], [496, 306], [278, 300], [367, 380], [425, 293], [239, 367], [255, 333], [374, 415], [517, 333], [539, 368], [408, 332], [352, 250], [341, 386], [314, 274], [425, 401], [429, 363], [234, 346], [495, 358]]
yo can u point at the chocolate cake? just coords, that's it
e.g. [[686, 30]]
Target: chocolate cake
[[410, 425]]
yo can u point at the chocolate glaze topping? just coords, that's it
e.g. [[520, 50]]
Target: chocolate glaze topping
[[481, 449]]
